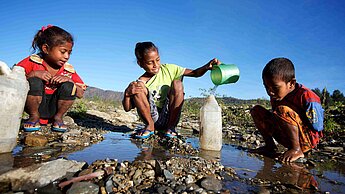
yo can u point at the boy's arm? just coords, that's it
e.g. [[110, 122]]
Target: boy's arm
[[79, 91], [315, 115], [132, 89], [201, 70], [126, 102]]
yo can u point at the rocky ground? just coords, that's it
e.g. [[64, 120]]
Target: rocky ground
[[41, 172]]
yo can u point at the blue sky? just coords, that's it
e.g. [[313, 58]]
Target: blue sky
[[188, 33]]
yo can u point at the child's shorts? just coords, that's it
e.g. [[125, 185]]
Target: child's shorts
[[160, 116], [48, 106], [308, 139]]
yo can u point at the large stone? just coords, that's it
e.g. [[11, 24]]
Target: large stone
[[39, 175], [99, 114], [168, 175], [124, 117], [212, 184], [35, 140], [83, 188]]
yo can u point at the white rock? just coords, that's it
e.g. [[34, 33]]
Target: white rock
[[39, 175]]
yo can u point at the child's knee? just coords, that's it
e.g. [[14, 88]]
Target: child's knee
[[67, 91], [142, 85], [283, 110], [257, 111], [177, 86], [36, 86]]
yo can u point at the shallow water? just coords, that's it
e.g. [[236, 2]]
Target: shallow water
[[325, 176]]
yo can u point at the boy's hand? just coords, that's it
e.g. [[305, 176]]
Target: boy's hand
[[60, 79], [134, 88], [43, 75], [213, 62]]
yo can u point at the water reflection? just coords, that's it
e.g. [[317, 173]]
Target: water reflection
[[293, 174], [149, 152], [114, 146], [210, 155]]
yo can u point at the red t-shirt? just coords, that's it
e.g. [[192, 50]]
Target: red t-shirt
[[35, 62]]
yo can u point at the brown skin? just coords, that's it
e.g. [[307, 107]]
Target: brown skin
[[277, 89], [55, 58], [138, 92], [270, 148]]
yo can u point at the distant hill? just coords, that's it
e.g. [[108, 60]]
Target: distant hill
[[97, 93], [109, 95], [231, 100]]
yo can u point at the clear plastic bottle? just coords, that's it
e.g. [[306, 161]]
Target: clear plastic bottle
[[210, 125], [13, 92]]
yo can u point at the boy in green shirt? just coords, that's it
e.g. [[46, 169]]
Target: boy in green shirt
[[158, 94]]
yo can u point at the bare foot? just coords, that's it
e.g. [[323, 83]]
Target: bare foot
[[291, 155]]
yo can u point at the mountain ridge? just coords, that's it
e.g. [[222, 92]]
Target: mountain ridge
[[97, 93]]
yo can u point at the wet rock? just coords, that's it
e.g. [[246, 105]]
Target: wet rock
[[6, 162], [161, 189], [180, 188], [83, 188], [168, 175], [211, 183], [68, 120], [189, 179], [176, 175], [39, 175], [192, 187], [334, 149], [49, 189], [35, 140]]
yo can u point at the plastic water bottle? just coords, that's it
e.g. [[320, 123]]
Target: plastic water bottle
[[211, 125], [13, 92]]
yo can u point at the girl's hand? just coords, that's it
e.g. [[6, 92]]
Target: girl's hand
[[43, 75], [213, 62], [60, 79], [135, 88]]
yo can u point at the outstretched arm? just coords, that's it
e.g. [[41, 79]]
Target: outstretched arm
[[201, 70]]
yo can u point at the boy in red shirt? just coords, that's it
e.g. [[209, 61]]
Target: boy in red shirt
[[296, 120]]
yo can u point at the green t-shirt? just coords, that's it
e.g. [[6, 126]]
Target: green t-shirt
[[160, 83]]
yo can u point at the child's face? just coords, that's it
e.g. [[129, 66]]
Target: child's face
[[58, 55], [151, 62], [277, 89]]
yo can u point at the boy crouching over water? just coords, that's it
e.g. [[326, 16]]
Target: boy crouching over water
[[296, 120]]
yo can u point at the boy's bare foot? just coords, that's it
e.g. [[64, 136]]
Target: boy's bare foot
[[265, 150], [291, 155]]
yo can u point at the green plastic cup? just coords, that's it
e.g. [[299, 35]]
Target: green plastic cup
[[225, 74]]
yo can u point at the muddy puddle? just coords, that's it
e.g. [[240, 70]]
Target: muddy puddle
[[256, 173]]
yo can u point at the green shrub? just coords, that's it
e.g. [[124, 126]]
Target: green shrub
[[78, 108]]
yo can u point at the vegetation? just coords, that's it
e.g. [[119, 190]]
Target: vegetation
[[334, 105], [80, 106], [234, 111]]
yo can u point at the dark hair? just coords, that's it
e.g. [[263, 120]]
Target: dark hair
[[52, 36], [281, 68], [141, 48]]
